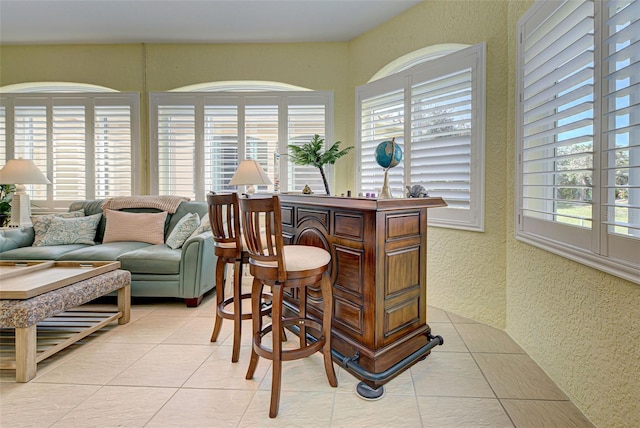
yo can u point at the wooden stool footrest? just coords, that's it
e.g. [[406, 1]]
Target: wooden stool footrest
[[229, 315], [288, 354]]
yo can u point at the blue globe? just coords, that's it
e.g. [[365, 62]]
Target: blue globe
[[388, 154]]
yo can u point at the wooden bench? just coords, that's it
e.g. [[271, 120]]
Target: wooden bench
[[27, 319]]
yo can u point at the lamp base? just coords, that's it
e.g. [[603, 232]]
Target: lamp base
[[20, 208]]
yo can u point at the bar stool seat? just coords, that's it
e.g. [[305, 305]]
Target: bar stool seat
[[284, 267], [224, 218]]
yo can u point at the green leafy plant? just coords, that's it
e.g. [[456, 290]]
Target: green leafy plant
[[311, 154], [5, 202]]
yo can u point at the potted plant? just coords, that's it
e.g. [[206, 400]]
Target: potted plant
[[311, 154], [5, 203]]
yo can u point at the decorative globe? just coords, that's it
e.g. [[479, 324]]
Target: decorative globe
[[388, 154]]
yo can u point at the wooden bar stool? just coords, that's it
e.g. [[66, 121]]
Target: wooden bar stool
[[281, 267], [225, 226]]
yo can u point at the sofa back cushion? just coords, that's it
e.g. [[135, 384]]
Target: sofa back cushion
[[185, 208], [95, 206], [139, 227]]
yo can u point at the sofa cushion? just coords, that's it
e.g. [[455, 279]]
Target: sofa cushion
[[142, 227], [109, 251], [153, 259], [205, 225], [186, 207], [41, 223], [40, 253], [183, 230], [63, 231]]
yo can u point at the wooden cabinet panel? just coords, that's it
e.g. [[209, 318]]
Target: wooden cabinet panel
[[378, 271]]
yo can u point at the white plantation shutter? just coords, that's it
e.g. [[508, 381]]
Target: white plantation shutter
[[261, 138], [221, 146], [3, 135], [381, 119], [69, 154], [578, 173], [176, 155], [436, 112], [557, 134], [87, 144], [31, 140], [621, 129], [216, 130], [440, 137], [113, 160], [304, 122]]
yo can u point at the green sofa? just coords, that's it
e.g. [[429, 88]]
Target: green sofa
[[156, 270]]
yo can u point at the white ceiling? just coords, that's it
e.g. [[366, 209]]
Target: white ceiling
[[191, 21]]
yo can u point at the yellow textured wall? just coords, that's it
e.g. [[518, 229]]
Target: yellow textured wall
[[161, 67], [466, 270], [580, 325]]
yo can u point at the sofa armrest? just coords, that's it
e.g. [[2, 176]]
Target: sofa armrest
[[12, 238], [197, 265]]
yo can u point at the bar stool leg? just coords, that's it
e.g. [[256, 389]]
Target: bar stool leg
[[302, 313], [256, 320], [220, 266], [276, 375], [237, 310], [327, 297]]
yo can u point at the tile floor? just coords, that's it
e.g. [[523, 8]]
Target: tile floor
[[160, 370]]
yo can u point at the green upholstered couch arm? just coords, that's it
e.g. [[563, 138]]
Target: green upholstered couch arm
[[197, 265]]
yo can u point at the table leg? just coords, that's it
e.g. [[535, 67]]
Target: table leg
[[124, 303], [26, 349]]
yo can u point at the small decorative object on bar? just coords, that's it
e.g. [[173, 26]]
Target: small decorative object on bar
[[20, 172], [307, 190], [249, 172], [310, 154], [5, 203], [388, 154], [417, 191]]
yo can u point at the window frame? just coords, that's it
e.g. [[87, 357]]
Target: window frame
[[29, 95], [596, 247], [435, 66], [281, 98]]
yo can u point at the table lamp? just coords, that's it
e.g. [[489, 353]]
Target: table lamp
[[20, 172], [249, 172]]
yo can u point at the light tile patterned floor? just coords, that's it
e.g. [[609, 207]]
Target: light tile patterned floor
[[160, 370]]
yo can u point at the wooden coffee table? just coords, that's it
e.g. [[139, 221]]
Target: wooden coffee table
[[38, 304]]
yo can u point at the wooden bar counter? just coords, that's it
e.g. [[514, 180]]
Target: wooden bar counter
[[379, 276]]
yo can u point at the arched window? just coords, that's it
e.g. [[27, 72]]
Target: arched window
[[85, 138], [432, 102], [200, 133]]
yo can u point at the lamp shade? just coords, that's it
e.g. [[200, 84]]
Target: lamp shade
[[249, 172], [22, 171]]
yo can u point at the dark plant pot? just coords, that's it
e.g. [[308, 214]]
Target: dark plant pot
[[4, 219]]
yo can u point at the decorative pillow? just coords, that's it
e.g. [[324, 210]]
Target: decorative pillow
[[140, 227], [183, 230], [63, 231], [204, 225], [41, 224]]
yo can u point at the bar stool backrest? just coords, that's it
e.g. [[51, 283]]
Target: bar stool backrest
[[262, 231], [224, 217]]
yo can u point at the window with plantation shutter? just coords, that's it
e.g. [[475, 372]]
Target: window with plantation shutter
[[220, 145], [3, 134], [86, 143], [578, 132], [435, 111], [381, 119], [305, 121], [216, 130], [176, 154]]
